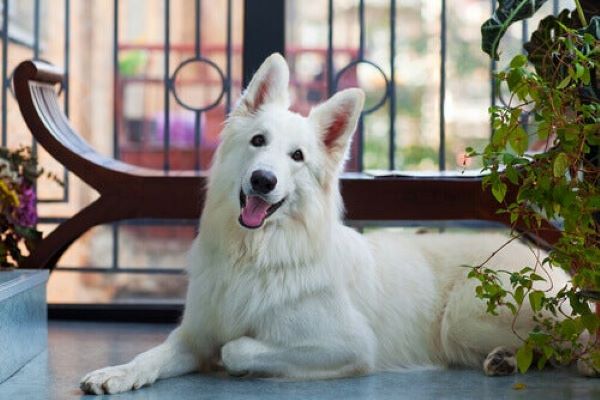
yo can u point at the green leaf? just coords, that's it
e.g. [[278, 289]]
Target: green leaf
[[536, 277], [564, 83], [524, 357], [514, 79], [519, 295], [518, 61], [579, 70], [548, 351], [568, 328], [535, 299], [512, 175], [508, 12], [539, 338], [561, 163], [499, 191], [586, 78], [514, 217], [544, 130], [519, 140], [590, 322]]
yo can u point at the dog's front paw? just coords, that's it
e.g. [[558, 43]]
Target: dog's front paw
[[111, 380], [237, 355]]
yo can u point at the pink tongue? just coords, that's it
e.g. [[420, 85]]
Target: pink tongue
[[255, 211]]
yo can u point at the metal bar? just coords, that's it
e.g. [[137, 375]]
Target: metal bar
[[115, 248], [36, 29], [555, 7], [66, 85], [443, 38], [229, 54], [330, 88], [26, 44], [197, 139], [361, 56], [167, 89], [264, 33], [4, 68], [392, 88], [117, 312], [123, 270], [361, 24], [36, 56], [116, 152], [116, 78], [493, 93], [439, 224], [198, 15], [361, 128], [131, 222], [524, 117], [197, 114], [67, 51], [56, 200]]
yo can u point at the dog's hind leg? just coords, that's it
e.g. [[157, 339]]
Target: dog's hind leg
[[471, 337], [171, 358]]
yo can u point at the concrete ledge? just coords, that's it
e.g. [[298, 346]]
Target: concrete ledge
[[23, 318]]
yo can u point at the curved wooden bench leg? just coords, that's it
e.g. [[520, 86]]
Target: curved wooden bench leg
[[49, 250]]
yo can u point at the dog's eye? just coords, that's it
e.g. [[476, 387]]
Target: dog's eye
[[258, 141], [298, 156]]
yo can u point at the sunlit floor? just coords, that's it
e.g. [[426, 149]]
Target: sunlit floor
[[76, 348]]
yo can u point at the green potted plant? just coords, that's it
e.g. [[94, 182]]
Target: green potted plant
[[554, 100]]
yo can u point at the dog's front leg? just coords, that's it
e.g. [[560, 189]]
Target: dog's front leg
[[248, 356], [171, 358]]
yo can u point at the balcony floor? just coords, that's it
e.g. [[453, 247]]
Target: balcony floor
[[74, 348]]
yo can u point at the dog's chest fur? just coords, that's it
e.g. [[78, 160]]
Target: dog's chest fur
[[251, 300]]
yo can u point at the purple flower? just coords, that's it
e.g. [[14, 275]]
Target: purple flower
[[26, 213]]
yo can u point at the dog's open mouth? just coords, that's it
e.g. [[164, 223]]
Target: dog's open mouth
[[255, 210]]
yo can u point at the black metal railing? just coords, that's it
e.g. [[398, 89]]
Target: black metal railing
[[264, 33]]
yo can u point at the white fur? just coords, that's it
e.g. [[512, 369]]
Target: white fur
[[305, 297]]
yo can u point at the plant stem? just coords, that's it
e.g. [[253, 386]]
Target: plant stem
[[581, 14]]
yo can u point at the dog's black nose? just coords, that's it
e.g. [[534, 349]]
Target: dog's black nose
[[263, 181]]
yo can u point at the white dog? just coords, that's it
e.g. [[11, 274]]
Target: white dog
[[278, 286]]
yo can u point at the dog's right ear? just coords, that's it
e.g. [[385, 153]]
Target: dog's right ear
[[336, 120], [268, 85]]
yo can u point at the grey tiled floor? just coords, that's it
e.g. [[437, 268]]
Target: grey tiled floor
[[76, 348]]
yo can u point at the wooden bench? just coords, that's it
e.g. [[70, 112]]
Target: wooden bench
[[130, 192]]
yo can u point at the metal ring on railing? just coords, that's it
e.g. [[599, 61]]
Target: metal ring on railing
[[211, 64], [386, 94]]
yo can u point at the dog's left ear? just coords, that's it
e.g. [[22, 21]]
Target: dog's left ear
[[268, 85], [336, 121]]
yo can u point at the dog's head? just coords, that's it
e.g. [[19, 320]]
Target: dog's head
[[277, 163]]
